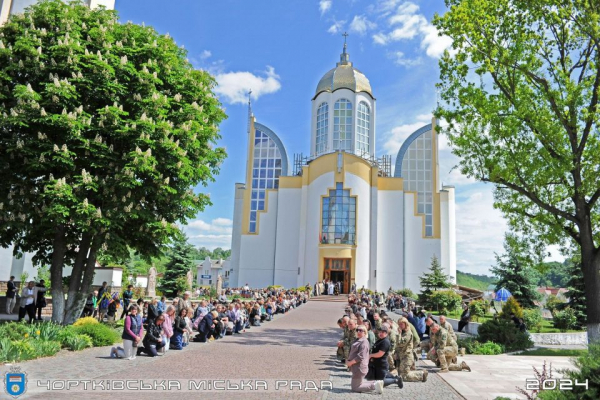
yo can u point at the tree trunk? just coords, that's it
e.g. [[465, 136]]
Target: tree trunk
[[80, 260], [591, 273], [80, 292], [56, 273]]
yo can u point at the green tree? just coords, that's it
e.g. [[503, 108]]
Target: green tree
[[576, 294], [181, 260], [434, 280], [105, 130], [520, 93], [514, 273]]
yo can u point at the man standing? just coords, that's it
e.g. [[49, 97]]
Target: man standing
[[184, 302], [127, 296], [11, 295], [28, 298], [40, 302]]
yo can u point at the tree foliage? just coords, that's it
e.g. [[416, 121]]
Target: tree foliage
[[181, 261], [105, 130], [521, 91], [514, 272]]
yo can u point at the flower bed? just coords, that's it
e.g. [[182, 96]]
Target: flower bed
[[20, 341]]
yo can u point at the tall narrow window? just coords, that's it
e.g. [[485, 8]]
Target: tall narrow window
[[342, 125], [266, 170], [322, 128], [338, 225], [363, 121]]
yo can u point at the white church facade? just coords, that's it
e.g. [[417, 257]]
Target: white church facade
[[341, 214]]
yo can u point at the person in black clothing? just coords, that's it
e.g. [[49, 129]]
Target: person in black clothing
[[11, 299], [152, 311], [465, 317], [515, 320], [378, 358], [153, 340], [206, 328], [127, 296], [522, 327], [41, 299], [179, 326]]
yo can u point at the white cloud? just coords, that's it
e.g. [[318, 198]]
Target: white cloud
[[205, 54], [233, 87], [337, 27], [211, 235], [324, 6], [360, 24], [400, 59], [397, 136], [407, 24]]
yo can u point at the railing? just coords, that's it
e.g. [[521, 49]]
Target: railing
[[384, 163]]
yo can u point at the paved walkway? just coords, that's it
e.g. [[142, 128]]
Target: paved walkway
[[298, 346], [494, 376]]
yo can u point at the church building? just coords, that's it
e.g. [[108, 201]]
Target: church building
[[341, 213]]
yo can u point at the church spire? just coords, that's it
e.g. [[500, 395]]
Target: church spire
[[344, 57]]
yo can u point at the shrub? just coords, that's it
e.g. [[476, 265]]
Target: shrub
[[15, 330], [588, 370], [470, 344], [78, 342], [490, 349], [553, 303], [44, 348], [512, 306], [65, 334], [25, 350], [8, 352], [478, 309], [504, 332], [45, 331], [565, 319], [406, 292], [445, 300], [533, 319], [86, 321], [101, 335]]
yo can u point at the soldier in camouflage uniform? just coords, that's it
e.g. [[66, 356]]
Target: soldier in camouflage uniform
[[343, 324], [416, 340], [447, 326], [404, 353], [446, 350], [377, 320], [393, 337], [350, 338]]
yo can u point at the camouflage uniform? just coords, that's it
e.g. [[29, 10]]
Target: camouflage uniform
[[446, 349], [404, 353], [377, 324], [340, 350], [433, 338], [416, 340], [447, 326], [348, 340], [393, 336]]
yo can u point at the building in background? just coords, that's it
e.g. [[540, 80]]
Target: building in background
[[209, 270], [340, 213]]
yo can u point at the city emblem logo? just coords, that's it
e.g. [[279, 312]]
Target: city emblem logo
[[15, 382]]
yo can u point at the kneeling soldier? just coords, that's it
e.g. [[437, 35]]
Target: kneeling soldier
[[446, 350]]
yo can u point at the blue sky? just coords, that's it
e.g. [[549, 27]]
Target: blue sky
[[280, 49]]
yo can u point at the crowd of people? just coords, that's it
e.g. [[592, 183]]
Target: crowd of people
[[153, 328], [381, 351], [32, 299]]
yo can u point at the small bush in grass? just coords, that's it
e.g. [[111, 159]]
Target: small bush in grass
[[406, 292], [478, 309], [79, 342], [45, 348], [24, 349], [490, 349], [470, 344], [101, 335], [86, 321], [504, 332], [512, 306], [8, 352], [533, 319], [565, 319], [15, 330]]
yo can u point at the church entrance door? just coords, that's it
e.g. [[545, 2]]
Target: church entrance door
[[338, 270]]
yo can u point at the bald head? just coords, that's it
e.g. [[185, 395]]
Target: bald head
[[352, 324], [442, 319], [434, 328]]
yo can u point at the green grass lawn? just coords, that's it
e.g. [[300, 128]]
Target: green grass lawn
[[553, 352]]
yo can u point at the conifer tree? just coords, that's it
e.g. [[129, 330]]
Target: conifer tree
[[434, 280], [174, 281]]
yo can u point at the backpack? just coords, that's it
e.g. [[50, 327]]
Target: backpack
[[104, 302]]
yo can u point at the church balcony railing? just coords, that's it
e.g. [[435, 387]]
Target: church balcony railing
[[384, 163]]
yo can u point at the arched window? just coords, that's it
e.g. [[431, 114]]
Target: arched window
[[342, 125], [363, 121], [322, 128]]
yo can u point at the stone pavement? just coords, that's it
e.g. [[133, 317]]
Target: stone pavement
[[494, 376], [298, 346]]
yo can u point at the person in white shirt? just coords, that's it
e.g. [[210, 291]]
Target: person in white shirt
[[28, 298]]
